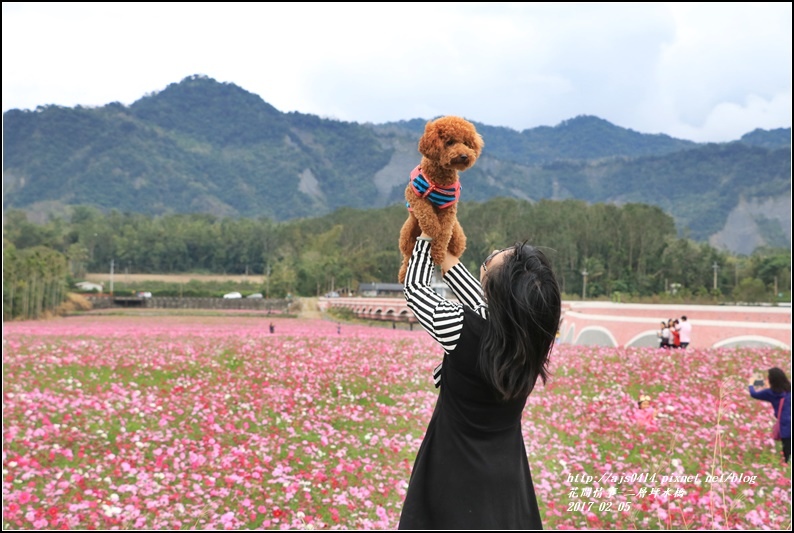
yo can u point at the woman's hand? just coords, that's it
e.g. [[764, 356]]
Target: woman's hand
[[449, 259], [449, 262], [754, 378]]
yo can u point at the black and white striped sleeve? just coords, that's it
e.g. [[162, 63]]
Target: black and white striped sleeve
[[467, 288], [442, 318]]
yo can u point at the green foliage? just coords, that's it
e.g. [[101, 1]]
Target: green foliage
[[773, 267], [342, 313], [772, 232], [34, 281], [583, 138], [205, 176], [201, 146], [191, 289], [776, 138], [632, 249], [751, 290]]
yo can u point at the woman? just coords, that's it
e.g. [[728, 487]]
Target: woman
[[779, 391], [664, 335], [471, 471], [675, 334]]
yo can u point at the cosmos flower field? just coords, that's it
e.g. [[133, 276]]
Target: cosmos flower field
[[211, 422]]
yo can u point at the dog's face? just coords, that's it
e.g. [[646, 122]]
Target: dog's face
[[451, 141]]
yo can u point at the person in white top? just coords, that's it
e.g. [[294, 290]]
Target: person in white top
[[685, 331]]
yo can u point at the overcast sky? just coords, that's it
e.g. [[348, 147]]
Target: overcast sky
[[707, 72]]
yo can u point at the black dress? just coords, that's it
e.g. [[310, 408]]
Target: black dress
[[471, 471]]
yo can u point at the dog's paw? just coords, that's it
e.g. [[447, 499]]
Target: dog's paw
[[457, 249], [438, 252]]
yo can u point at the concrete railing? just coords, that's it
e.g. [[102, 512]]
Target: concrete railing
[[387, 309], [175, 302]]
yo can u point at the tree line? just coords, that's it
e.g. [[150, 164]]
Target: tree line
[[598, 250], [34, 281]]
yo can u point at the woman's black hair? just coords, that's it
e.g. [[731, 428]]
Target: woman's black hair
[[778, 381], [524, 307]]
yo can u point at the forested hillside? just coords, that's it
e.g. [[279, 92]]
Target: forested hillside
[[204, 147]]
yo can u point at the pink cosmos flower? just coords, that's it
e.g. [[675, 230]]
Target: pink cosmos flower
[[308, 422]]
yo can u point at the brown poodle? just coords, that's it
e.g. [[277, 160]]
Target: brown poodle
[[449, 145]]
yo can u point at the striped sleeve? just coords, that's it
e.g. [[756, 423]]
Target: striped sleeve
[[467, 288], [442, 318]]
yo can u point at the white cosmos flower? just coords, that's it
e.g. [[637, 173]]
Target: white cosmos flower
[[111, 510]]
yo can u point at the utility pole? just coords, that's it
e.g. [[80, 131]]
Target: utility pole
[[716, 267], [111, 277], [584, 284], [267, 282]]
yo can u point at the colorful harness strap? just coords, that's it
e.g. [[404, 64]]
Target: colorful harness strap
[[440, 197]]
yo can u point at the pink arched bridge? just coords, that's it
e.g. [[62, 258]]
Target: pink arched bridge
[[616, 324]]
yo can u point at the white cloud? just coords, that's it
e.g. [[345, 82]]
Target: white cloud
[[754, 112], [702, 71]]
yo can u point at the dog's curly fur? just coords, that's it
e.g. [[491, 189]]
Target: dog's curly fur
[[449, 145]]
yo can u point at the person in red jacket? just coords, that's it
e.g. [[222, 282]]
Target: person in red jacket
[[675, 334]]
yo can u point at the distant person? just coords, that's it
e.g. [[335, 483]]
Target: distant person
[[664, 335], [779, 395], [675, 334], [272, 328], [338, 329], [685, 332], [645, 414]]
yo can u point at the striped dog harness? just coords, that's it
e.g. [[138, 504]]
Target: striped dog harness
[[440, 197]]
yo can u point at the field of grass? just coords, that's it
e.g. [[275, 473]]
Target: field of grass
[[211, 422], [121, 277]]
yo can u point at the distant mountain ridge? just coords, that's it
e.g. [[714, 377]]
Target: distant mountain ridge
[[204, 146]]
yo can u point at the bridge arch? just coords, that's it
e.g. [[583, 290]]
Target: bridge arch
[[751, 341], [569, 335], [646, 339], [596, 336]]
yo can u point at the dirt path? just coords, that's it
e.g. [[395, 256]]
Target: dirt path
[[309, 308]]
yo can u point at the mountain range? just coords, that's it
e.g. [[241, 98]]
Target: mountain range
[[204, 146]]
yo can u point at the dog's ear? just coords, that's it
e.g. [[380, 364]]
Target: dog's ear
[[430, 144], [479, 143]]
